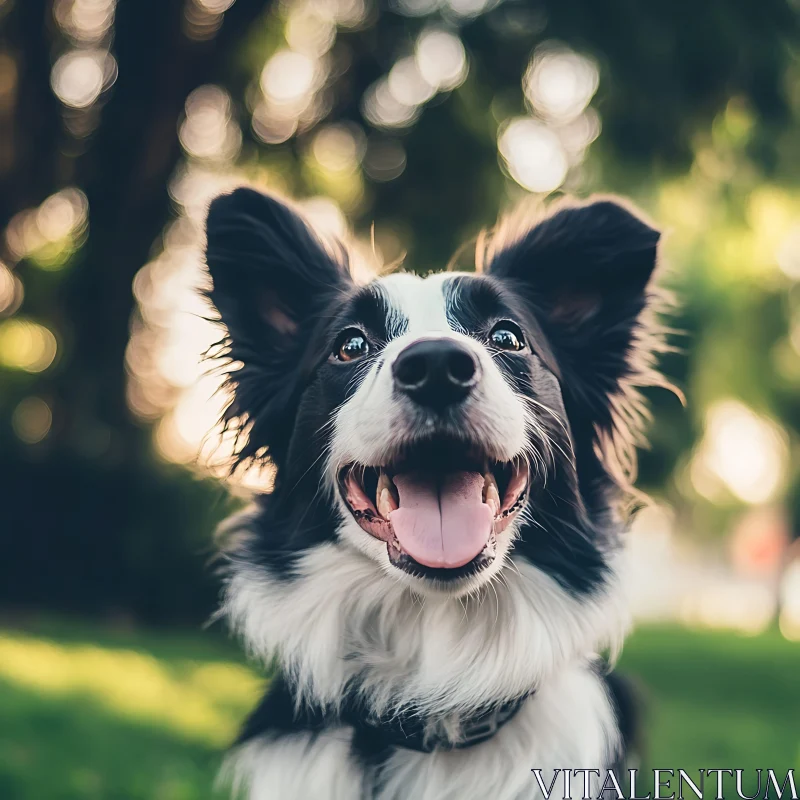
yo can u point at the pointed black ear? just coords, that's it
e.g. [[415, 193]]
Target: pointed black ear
[[585, 269], [269, 270], [271, 277]]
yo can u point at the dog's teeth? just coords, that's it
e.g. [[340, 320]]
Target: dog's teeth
[[385, 496], [386, 503], [490, 494], [385, 482]]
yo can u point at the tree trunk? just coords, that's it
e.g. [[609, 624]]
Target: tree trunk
[[89, 507]]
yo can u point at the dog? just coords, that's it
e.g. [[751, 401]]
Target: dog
[[435, 575]]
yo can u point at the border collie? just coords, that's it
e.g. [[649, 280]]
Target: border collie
[[435, 575]]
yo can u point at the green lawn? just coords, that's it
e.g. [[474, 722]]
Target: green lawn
[[94, 713]]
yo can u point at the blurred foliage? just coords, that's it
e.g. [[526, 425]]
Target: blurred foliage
[[698, 114]]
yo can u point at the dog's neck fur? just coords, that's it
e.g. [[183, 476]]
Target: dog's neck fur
[[340, 622]]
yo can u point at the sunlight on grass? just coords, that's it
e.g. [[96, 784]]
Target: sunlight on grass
[[91, 713], [201, 702]]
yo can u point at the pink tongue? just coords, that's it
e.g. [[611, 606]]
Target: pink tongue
[[442, 521]]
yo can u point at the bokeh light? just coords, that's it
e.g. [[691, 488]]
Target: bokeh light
[[270, 127], [51, 233], [80, 76], [439, 64], [202, 19], [758, 541], [533, 154], [215, 6], [789, 620], [289, 78], [416, 8], [407, 84], [62, 214], [85, 21], [741, 452], [26, 345], [346, 13], [540, 150], [339, 147], [788, 255], [468, 8], [441, 58], [560, 83], [325, 216], [169, 382], [207, 130], [457, 10], [31, 420], [288, 97], [670, 576], [384, 110], [309, 29], [575, 136], [10, 291], [744, 607]]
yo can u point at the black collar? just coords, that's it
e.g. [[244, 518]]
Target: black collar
[[279, 713], [408, 729]]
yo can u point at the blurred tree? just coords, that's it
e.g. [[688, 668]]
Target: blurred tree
[[90, 518]]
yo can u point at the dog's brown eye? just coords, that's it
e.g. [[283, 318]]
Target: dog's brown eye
[[351, 344], [507, 335]]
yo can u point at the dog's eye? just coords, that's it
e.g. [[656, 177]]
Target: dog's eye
[[350, 345], [506, 335]]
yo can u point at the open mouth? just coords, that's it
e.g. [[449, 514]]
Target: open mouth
[[439, 507]]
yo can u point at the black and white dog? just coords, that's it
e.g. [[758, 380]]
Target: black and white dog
[[436, 569]]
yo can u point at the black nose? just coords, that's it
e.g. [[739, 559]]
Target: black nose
[[436, 372]]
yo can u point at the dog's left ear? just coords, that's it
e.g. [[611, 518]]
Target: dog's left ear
[[271, 280], [586, 269]]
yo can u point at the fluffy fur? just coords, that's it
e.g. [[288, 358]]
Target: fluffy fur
[[309, 587]]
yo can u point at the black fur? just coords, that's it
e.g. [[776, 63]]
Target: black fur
[[273, 283]]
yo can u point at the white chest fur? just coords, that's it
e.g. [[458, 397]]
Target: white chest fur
[[341, 618]]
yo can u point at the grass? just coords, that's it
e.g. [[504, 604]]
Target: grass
[[719, 699], [90, 713]]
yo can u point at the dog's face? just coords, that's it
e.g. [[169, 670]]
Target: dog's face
[[431, 448], [435, 423]]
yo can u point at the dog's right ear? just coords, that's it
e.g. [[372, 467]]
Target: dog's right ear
[[271, 277]]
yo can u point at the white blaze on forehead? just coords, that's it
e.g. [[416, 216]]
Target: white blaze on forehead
[[418, 303]]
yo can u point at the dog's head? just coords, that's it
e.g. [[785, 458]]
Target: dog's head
[[437, 423]]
